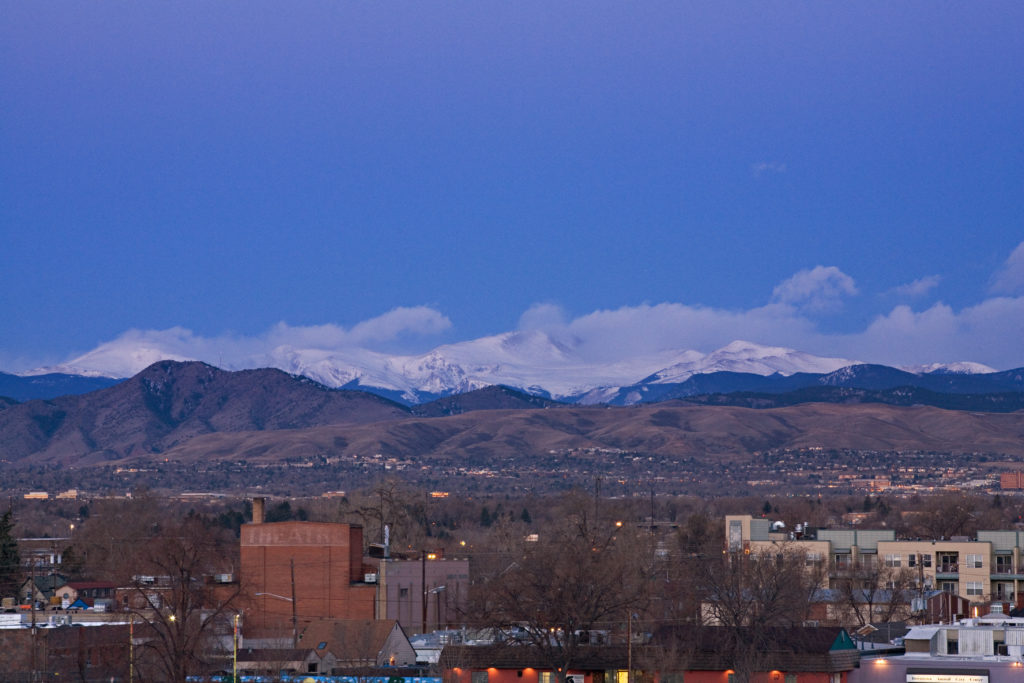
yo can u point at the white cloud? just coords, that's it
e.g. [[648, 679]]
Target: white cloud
[[988, 332], [398, 322], [136, 349], [542, 316], [762, 167], [1010, 278], [918, 287], [820, 289]]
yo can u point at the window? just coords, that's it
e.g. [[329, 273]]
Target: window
[[974, 561], [311, 668], [912, 560], [403, 592], [812, 559], [926, 559], [1004, 564], [481, 677], [974, 588], [893, 560], [842, 561], [948, 587]]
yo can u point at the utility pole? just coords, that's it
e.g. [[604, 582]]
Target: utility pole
[[32, 602], [423, 583], [629, 647], [295, 618]]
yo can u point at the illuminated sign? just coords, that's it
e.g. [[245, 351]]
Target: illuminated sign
[[947, 678]]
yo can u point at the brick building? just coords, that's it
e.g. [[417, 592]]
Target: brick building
[[304, 570], [1011, 481]]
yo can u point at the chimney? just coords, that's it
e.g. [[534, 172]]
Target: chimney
[[257, 510]]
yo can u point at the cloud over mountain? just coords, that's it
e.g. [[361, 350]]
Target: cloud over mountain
[[1010, 278], [632, 336], [820, 289]]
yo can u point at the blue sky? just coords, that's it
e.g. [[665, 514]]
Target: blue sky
[[843, 178]]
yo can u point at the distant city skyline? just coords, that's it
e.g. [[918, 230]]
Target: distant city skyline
[[847, 181]]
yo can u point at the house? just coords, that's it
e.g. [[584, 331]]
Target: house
[[328, 646], [858, 606], [360, 643], [276, 661], [673, 654], [788, 655], [86, 593], [42, 590]]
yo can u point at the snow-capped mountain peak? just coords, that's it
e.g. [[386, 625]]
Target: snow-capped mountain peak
[[531, 360], [744, 356], [958, 368]]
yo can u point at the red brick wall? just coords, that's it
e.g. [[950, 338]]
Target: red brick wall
[[325, 573]]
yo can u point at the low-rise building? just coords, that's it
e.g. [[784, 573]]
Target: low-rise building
[[984, 569], [988, 649]]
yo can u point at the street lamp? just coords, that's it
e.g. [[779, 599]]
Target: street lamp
[[437, 605], [295, 619]]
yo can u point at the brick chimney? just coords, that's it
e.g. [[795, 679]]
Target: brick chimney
[[258, 505]]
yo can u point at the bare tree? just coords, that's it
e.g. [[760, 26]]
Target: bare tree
[[177, 611], [750, 595], [870, 592], [574, 580]]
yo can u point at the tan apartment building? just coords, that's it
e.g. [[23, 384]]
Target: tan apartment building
[[985, 569]]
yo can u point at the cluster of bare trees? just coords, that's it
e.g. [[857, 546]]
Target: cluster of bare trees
[[558, 592]]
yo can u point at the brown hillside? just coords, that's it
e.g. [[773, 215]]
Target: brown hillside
[[170, 403], [664, 429]]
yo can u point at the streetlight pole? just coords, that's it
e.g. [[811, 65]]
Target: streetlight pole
[[234, 656], [295, 622]]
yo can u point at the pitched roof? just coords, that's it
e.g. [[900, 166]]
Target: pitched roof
[[349, 638], [798, 648], [86, 585], [272, 655]]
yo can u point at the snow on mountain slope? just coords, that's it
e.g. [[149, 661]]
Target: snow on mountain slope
[[534, 361], [531, 360], [742, 356], [959, 368], [112, 359]]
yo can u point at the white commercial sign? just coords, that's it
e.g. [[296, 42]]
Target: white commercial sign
[[947, 678]]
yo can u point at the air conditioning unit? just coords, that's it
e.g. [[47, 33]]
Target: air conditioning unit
[[369, 578], [223, 578]]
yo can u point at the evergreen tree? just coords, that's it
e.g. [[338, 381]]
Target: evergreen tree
[[10, 560]]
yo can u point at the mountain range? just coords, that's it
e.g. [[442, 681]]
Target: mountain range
[[551, 366], [193, 412]]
